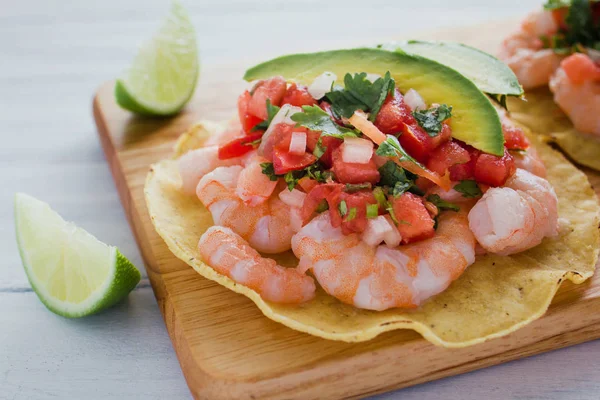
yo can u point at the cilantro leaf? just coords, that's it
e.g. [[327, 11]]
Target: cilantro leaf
[[391, 147], [269, 170], [468, 189], [431, 120], [400, 188], [315, 119], [319, 149], [292, 178], [554, 4], [580, 23], [398, 179], [391, 173], [442, 204], [359, 93], [271, 112], [314, 171]]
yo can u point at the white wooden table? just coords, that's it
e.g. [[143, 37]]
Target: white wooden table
[[53, 55]]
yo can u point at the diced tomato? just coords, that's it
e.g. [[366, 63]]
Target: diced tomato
[[238, 147], [325, 106], [514, 138], [465, 171], [493, 170], [394, 113], [352, 221], [272, 89], [315, 197], [248, 121], [297, 95], [396, 117], [414, 221], [307, 184], [353, 172], [283, 160], [580, 68], [419, 144], [312, 137], [331, 144], [446, 156], [559, 15]]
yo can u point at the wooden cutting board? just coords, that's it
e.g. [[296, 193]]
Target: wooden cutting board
[[228, 349]]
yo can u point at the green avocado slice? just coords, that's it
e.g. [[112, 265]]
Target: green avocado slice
[[486, 71], [474, 119]]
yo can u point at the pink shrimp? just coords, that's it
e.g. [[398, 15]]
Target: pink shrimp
[[576, 88], [523, 51], [516, 217], [379, 277], [529, 160], [230, 255], [254, 187], [268, 226], [196, 163]]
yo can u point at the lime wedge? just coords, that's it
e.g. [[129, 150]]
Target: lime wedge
[[163, 75], [72, 272]]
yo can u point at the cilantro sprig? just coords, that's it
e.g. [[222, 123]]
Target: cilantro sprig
[[442, 204], [314, 171], [391, 147], [582, 29], [398, 179], [271, 112], [359, 93], [315, 119], [468, 189], [431, 120]]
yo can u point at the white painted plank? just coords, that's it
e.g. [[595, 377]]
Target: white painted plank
[[123, 353]]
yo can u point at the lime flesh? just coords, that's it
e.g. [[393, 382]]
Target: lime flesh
[[163, 75], [72, 272]]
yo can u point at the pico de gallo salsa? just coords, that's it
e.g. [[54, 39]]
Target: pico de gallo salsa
[[365, 149]]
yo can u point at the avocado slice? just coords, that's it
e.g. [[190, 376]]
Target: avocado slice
[[488, 73], [474, 119]]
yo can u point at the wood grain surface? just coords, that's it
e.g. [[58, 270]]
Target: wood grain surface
[[227, 349]]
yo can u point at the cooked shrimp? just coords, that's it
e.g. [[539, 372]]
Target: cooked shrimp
[[196, 163], [523, 51], [516, 217], [254, 187], [576, 88], [379, 277], [267, 226], [232, 131], [529, 161], [229, 254]]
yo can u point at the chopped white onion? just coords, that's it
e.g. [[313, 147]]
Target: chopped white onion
[[322, 84], [414, 100], [357, 150], [376, 230], [392, 238], [298, 143], [295, 198], [373, 77], [283, 116]]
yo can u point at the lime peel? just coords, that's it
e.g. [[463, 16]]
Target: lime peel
[[163, 75], [72, 272]]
